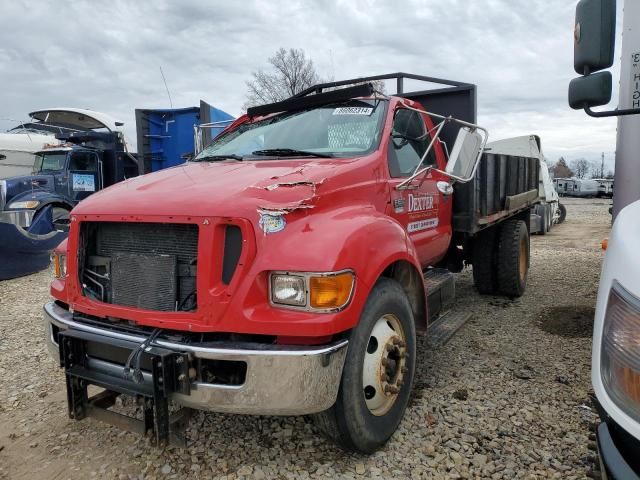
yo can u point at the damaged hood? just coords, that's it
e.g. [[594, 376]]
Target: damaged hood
[[229, 188]]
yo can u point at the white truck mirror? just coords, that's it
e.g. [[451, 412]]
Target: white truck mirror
[[465, 154]]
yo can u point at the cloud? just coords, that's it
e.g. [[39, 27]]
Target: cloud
[[106, 56]]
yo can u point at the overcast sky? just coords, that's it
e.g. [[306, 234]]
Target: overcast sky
[[106, 56]]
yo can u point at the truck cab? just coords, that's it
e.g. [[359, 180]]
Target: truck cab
[[285, 270], [89, 153]]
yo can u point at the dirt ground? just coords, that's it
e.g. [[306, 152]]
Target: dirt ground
[[508, 397]]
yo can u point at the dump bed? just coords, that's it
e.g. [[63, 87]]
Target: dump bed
[[504, 185]]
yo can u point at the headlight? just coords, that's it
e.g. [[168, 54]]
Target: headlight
[[288, 290], [323, 292], [620, 355], [3, 193], [29, 204], [60, 264]]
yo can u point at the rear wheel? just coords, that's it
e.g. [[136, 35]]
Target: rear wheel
[[513, 258], [378, 373], [485, 276]]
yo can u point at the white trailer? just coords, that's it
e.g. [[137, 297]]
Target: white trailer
[[605, 187], [576, 187]]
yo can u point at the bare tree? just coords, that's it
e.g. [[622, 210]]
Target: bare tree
[[581, 167], [291, 72], [609, 174], [561, 169]]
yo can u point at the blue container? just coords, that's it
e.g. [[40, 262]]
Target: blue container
[[166, 136]]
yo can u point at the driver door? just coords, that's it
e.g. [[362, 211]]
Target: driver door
[[424, 209], [84, 175]]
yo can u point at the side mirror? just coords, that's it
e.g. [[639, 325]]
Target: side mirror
[[594, 35], [464, 154], [591, 91]]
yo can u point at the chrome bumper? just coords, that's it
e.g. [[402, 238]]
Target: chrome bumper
[[19, 218], [279, 381]]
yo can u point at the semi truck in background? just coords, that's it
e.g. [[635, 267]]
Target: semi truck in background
[[66, 154], [300, 253], [615, 368], [87, 153]]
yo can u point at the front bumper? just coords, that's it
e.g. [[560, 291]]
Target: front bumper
[[20, 218], [280, 380], [614, 463]]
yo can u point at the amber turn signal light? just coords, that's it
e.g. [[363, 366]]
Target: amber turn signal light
[[604, 244], [59, 265], [332, 291]]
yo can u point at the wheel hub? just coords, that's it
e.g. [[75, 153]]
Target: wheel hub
[[385, 365]]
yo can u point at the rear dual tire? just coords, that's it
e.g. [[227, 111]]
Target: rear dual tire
[[378, 373], [501, 259]]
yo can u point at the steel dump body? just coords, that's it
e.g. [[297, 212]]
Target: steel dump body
[[504, 185]]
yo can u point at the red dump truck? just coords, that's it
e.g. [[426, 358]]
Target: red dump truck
[[287, 269]]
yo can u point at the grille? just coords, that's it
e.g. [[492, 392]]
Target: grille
[[143, 265], [144, 281]]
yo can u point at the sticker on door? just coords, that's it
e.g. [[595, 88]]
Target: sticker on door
[[84, 183], [422, 225]]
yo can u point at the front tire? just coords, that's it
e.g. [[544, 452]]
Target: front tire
[[563, 213], [378, 373]]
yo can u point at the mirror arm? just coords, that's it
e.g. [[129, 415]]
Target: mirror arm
[[611, 113], [406, 184]]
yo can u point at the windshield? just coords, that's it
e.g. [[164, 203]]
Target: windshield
[[50, 162], [345, 129]]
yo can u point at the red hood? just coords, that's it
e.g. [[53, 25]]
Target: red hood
[[220, 188]]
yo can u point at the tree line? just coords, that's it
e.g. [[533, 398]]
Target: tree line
[[579, 168]]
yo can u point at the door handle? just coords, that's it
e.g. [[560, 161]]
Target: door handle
[[445, 187]]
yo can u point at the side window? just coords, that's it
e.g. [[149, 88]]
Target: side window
[[409, 141], [83, 162]]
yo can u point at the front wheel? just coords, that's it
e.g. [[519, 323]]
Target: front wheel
[[378, 373]]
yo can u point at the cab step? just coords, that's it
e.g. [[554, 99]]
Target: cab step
[[445, 327], [441, 291]]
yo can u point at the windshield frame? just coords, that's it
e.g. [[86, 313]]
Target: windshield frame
[[378, 102]]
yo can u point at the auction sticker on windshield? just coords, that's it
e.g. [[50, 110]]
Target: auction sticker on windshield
[[353, 111]]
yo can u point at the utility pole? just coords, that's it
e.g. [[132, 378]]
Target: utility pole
[[627, 173], [602, 166]]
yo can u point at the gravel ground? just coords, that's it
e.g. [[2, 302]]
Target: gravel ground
[[507, 397]]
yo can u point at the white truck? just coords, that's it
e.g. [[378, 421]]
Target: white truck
[[615, 371]]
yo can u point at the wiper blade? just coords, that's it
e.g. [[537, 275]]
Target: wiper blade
[[215, 158], [288, 152]]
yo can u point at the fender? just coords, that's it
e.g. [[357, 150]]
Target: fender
[[309, 244]]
